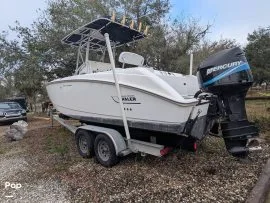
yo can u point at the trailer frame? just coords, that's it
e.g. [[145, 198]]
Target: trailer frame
[[122, 145]]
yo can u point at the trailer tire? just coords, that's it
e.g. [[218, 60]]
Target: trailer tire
[[85, 143], [105, 151]]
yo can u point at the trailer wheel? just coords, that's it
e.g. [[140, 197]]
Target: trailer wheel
[[85, 143], [105, 151]]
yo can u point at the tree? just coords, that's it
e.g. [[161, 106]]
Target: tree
[[21, 65], [38, 55], [147, 11], [168, 45], [207, 48], [258, 54], [64, 16], [10, 55], [7, 86]]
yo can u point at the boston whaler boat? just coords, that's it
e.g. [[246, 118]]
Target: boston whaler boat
[[156, 108]]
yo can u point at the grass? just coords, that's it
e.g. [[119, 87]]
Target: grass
[[61, 149], [265, 94], [268, 198], [2, 152], [59, 146], [58, 143], [258, 111], [54, 150], [256, 93]]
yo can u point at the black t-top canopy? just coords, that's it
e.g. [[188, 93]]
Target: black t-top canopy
[[94, 33]]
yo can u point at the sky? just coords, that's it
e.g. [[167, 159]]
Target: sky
[[229, 18], [25, 11]]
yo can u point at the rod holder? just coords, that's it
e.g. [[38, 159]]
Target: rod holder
[[123, 22], [113, 16]]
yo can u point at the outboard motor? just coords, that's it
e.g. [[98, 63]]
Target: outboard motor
[[227, 75]]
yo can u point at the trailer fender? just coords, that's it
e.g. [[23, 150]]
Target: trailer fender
[[115, 136]]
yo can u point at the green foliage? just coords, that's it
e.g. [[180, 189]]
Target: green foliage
[[7, 88], [20, 62], [168, 46], [40, 45], [258, 54], [10, 54], [59, 149], [147, 11], [64, 16], [206, 48]]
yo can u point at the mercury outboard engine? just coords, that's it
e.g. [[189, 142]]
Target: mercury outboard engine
[[227, 75]]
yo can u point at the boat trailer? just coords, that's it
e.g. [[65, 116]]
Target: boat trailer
[[112, 144]]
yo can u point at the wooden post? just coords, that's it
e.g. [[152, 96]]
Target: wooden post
[[51, 115]]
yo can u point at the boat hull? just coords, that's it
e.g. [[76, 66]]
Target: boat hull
[[97, 102]]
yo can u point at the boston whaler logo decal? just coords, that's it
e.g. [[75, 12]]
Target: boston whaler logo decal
[[127, 99], [222, 67]]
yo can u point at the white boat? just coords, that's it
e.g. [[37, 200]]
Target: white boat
[[151, 100]]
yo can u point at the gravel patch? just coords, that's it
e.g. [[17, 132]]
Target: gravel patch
[[11, 166], [16, 166], [172, 179], [56, 173], [3, 129]]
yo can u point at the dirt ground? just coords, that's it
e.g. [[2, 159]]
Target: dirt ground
[[49, 169]]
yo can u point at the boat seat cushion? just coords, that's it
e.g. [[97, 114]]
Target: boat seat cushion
[[131, 58]]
